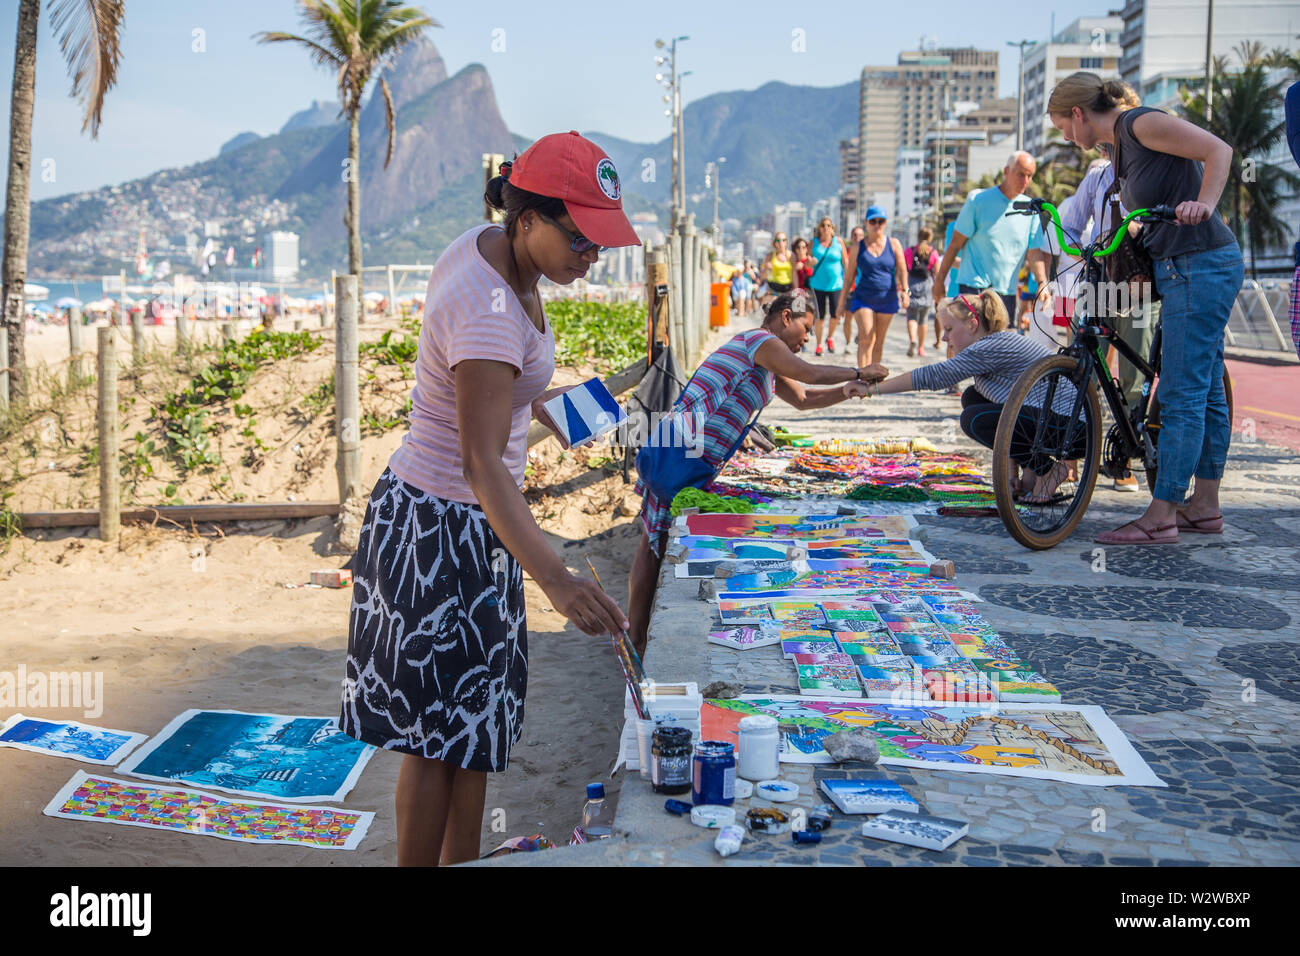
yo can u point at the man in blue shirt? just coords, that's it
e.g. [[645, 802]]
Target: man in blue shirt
[[994, 242]]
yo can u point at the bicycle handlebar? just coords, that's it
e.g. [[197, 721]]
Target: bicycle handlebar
[[1030, 207]]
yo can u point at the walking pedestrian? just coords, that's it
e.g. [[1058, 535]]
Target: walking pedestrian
[[992, 243], [921, 260], [879, 288], [1163, 160], [778, 269], [830, 263]]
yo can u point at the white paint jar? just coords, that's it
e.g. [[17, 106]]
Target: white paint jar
[[758, 756]]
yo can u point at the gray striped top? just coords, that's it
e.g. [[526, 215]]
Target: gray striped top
[[996, 361]]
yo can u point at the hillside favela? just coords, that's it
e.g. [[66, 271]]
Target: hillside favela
[[514, 438]]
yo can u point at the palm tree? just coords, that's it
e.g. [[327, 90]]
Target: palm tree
[[355, 38], [1245, 117], [88, 32]]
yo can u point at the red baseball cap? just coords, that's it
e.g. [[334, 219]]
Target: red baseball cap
[[572, 168]]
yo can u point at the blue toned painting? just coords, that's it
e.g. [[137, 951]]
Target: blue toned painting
[[289, 758], [72, 740]]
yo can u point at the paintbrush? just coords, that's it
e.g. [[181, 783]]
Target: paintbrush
[[628, 659]]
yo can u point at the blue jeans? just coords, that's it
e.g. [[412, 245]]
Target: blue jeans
[[1196, 295]]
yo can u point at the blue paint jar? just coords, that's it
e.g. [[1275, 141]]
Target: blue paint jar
[[714, 778]]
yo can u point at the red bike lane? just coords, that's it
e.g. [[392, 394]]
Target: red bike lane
[[1266, 398]]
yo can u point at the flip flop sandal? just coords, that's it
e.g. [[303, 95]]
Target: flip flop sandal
[[1193, 525], [1151, 535]]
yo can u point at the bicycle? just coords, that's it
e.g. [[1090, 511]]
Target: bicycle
[[1053, 416]]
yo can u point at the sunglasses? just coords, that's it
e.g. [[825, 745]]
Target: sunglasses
[[876, 222], [577, 242]]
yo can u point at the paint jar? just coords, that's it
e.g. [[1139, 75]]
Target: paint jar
[[713, 778], [670, 760], [760, 744]]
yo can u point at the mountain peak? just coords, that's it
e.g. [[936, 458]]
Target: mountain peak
[[417, 69]]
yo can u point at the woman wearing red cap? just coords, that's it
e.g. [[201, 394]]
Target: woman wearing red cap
[[437, 647]]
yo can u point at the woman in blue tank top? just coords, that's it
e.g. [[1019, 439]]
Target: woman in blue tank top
[[881, 285]]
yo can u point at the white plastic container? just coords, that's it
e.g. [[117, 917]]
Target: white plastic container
[[758, 756]]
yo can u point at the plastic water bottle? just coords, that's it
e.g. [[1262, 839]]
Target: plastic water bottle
[[597, 815]]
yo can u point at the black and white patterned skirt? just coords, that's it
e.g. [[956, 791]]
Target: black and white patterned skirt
[[437, 642]]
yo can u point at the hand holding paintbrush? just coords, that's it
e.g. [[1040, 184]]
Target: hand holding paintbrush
[[628, 659]]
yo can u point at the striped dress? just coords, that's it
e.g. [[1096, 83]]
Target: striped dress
[[724, 394]]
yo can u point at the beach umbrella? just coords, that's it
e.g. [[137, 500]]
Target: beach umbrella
[[68, 302], [373, 296], [35, 292]]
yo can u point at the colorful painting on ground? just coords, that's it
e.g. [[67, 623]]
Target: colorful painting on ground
[[68, 738], [106, 800], [256, 755], [1077, 744], [798, 526]]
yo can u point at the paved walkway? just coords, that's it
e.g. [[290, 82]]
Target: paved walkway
[[1192, 650]]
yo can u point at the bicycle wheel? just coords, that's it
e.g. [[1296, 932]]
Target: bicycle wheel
[[1153, 424], [1039, 438]]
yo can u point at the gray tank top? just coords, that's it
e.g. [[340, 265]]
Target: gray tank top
[[1149, 179]]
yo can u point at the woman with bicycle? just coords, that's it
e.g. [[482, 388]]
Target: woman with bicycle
[[975, 326], [1165, 161]]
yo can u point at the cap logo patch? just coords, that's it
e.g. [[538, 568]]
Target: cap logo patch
[[607, 178]]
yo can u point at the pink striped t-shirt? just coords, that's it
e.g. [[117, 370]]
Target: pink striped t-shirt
[[470, 312]]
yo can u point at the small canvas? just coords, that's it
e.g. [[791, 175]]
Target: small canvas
[[915, 829], [834, 680], [885, 684], [789, 648], [583, 414], [745, 638], [869, 795], [837, 659], [68, 738]]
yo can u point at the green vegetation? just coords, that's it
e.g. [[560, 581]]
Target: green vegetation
[[609, 335], [184, 415]]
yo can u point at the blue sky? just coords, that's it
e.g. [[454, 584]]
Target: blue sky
[[590, 70]]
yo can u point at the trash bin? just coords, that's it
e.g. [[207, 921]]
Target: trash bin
[[719, 304]]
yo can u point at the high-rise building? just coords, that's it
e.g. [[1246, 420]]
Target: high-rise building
[[758, 243], [975, 141], [790, 218], [1088, 43], [897, 103], [280, 250], [1163, 41], [909, 188]]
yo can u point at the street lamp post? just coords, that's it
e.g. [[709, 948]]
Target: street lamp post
[[1020, 93], [681, 138], [673, 98], [714, 170]]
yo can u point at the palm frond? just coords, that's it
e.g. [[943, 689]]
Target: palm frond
[[319, 54], [89, 33]]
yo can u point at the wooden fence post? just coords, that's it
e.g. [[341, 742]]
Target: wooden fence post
[[74, 346], [227, 332], [4, 370], [675, 301], [347, 395], [137, 337], [182, 332], [110, 479]]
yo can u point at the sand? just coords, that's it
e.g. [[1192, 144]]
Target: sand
[[200, 618]]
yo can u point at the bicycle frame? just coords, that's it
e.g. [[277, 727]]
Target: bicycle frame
[[1092, 336]]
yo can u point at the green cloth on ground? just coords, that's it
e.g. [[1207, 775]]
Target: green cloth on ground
[[871, 492], [708, 502]]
